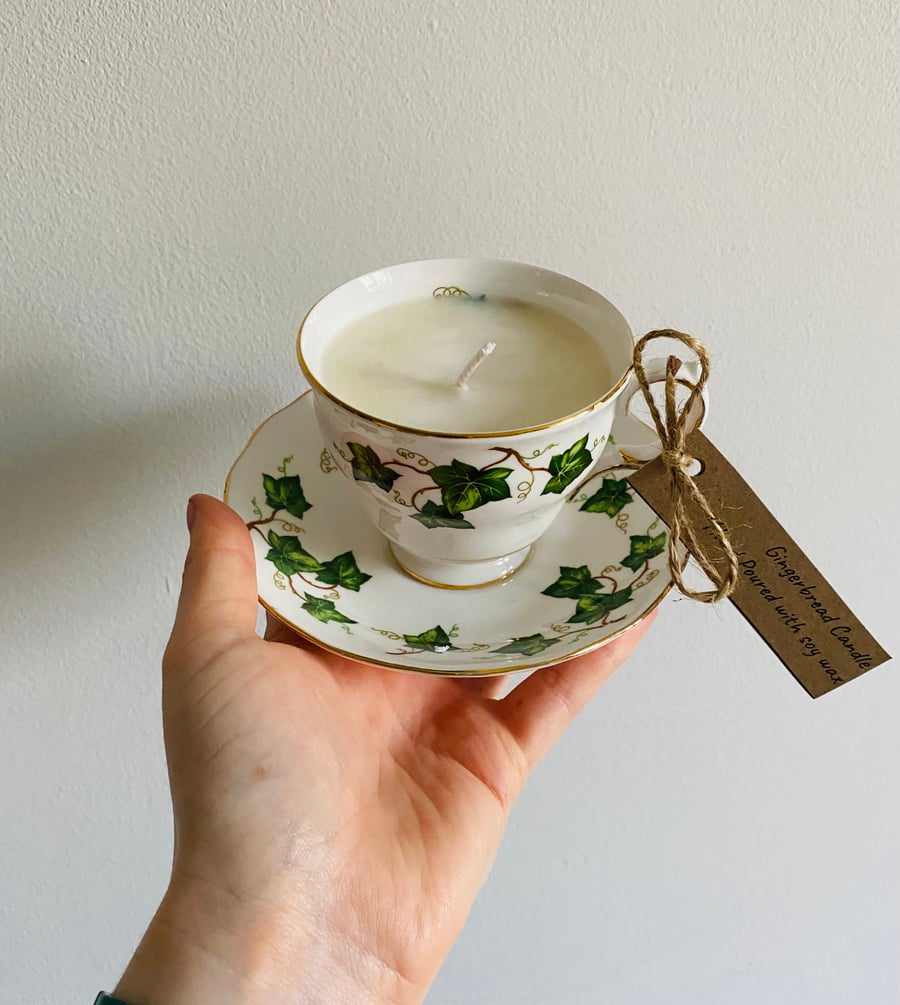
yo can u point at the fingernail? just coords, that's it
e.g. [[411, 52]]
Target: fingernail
[[191, 513]]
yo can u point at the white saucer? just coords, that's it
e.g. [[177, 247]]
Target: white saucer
[[596, 573]]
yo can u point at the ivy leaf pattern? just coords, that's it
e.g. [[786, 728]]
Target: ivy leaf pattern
[[286, 493], [367, 467], [567, 466], [464, 487], [324, 610], [530, 645], [343, 571], [612, 495], [643, 548], [573, 582], [592, 607], [435, 640], [433, 516], [289, 556]]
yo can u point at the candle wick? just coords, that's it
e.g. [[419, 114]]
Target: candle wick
[[462, 381]]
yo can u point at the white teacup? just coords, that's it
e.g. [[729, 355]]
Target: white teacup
[[463, 509]]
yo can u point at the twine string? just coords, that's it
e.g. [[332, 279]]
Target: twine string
[[717, 559]]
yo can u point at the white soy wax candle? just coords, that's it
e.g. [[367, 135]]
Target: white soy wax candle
[[403, 364]]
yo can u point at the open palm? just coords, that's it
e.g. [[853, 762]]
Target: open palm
[[345, 814]]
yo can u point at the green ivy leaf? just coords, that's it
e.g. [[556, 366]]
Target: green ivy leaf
[[464, 487], [567, 466], [592, 607], [644, 547], [324, 610], [435, 640], [286, 493], [573, 582], [367, 467], [289, 556], [530, 645], [433, 516], [343, 571], [612, 495]]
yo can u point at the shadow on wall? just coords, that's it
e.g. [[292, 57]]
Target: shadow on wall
[[83, 504]]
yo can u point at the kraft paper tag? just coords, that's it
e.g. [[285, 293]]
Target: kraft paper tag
[[780, 592]]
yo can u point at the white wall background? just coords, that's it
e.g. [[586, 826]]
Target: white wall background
[[181, 181]]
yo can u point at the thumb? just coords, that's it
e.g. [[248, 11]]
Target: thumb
[[218, 601]]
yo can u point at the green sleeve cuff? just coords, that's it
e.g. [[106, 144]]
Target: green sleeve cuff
[[104, 999]]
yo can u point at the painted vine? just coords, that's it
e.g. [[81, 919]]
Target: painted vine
[[462, 488], [284, 493], [449, 491]]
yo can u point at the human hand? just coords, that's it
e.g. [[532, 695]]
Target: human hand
[[333, 821]]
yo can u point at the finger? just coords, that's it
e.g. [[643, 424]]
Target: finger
[[537, 711], [484, 687], [218, 599]]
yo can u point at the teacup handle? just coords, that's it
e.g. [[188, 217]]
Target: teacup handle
[[634, 441]]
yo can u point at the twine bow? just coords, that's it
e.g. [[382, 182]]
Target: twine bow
[[721, 568]]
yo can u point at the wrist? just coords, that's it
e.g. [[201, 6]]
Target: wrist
[[204, 945], [194, 950]]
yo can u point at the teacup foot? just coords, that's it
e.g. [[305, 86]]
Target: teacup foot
[[459, 575]]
